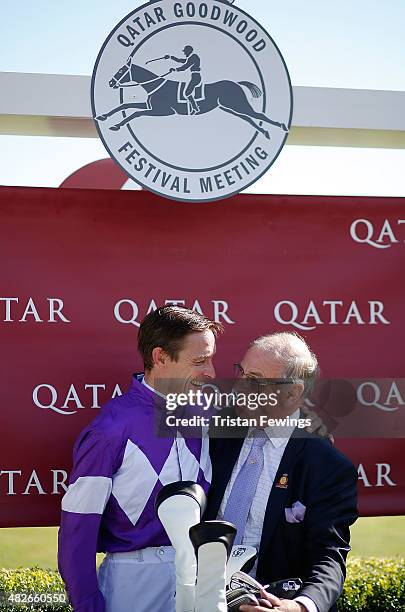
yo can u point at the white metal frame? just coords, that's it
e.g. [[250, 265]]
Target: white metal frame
[[59, 105]]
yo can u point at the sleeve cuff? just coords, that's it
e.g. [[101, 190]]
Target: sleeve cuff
[[307, 603]]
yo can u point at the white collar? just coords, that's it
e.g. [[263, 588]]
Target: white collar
[[143, 382], [280, 435]]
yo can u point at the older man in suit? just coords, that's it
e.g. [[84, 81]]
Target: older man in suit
[[290, 494]]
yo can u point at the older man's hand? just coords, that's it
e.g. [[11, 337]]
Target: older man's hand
[[271, 602]]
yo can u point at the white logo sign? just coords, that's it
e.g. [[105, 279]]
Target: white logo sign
[[13, 309], [127, 310], [382, 237], [10, 483], [380, 476], [331, 312], [46, 396], [192, 99], [370, 394]]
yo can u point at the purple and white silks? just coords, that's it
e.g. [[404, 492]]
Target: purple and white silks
[[119, 465]]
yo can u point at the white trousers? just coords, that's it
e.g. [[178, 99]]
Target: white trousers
[[139, 581]]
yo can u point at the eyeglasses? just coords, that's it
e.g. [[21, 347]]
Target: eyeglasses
[[261, 382]]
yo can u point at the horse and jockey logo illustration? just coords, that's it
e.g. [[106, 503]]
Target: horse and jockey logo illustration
[[192, 62], [214, 113]]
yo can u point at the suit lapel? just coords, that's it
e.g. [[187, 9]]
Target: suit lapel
[[277, 497]]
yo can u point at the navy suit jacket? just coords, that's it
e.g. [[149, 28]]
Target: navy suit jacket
[[315, 550]]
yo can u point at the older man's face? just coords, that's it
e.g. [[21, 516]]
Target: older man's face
[[257, 365]]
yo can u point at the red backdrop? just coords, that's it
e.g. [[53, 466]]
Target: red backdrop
[[69, 257]]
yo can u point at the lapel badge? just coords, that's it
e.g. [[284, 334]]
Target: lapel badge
[[282, 482]]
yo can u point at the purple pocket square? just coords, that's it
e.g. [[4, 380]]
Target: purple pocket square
[[296, 513]]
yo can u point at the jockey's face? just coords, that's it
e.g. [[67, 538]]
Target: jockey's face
[[192, 367], [186, 51]]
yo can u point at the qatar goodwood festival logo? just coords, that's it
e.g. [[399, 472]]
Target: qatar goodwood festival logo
[[192, 99]]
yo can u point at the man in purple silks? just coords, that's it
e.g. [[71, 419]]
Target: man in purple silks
[[120, 464]]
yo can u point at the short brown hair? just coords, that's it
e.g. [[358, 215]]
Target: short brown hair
[[168, 327]]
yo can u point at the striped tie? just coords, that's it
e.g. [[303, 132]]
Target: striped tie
[[245, 485]]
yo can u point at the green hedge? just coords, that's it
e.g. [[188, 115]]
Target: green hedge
[[372, 585], [31, 582]]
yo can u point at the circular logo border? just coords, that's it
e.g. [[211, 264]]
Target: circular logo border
[[146, 186]]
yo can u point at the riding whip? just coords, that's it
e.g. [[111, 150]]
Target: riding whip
[[155, 60]]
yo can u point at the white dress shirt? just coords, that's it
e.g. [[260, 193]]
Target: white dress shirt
[[273, 453]]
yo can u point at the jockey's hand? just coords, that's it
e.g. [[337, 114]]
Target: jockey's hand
[[167, 57], [317, 425], [172, 70]]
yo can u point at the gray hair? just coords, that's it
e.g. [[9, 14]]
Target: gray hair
[[300, 362]]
